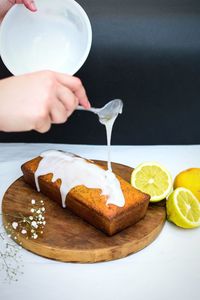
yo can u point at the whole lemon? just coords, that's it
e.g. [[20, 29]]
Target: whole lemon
[[189, 179]]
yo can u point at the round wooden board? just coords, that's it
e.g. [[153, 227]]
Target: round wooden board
[[68, 238]]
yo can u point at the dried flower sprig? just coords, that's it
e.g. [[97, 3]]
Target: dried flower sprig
[[10, 259], [30, 226]]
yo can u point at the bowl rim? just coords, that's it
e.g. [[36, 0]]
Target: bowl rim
[[80, 63]]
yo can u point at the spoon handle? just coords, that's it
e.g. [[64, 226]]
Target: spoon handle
[[79, 107], [92, 109]]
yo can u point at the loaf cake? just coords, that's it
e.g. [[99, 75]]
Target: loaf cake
[[88, 203]]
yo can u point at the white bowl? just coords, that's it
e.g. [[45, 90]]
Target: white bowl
[[57, 37]]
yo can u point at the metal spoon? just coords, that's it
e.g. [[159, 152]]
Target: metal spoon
[[108, 111]]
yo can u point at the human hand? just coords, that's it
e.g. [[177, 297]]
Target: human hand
[[30, 4], [36, 100], [5, 5]]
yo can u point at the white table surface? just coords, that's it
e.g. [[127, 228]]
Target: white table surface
[[169, 268]]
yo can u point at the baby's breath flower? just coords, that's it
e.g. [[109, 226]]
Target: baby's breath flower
[[34, 224], [33, 201], [10, 261], [14, 225], [35, 236], [30, 226]]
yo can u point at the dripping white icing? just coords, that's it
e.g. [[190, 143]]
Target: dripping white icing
[[109, 125], [73, 171], [109, 122]]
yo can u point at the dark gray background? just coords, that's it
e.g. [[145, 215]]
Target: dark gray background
[[146, 52]]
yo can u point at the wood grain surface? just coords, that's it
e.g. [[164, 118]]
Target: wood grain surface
[[68, 238]]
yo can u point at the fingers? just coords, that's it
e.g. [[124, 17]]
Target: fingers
[[66, 102], [75, 85], [58, 113], [68, 98], [44, 125], [30, 4], [61, 94], [61, 107]]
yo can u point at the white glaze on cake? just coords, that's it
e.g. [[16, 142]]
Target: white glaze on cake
[[74, 171]]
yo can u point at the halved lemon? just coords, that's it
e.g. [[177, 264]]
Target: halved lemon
[[183, 208], [152, 178]]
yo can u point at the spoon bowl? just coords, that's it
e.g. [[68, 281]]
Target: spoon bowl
[[109, 111]]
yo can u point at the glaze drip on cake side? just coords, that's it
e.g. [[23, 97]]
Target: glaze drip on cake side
[[74, 171]]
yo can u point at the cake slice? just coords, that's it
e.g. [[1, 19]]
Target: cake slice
[[88, 203]]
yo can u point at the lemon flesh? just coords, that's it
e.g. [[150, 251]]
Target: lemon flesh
[[153, 179], [183, 208]]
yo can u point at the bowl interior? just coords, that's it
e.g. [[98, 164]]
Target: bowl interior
[[57, 37]]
